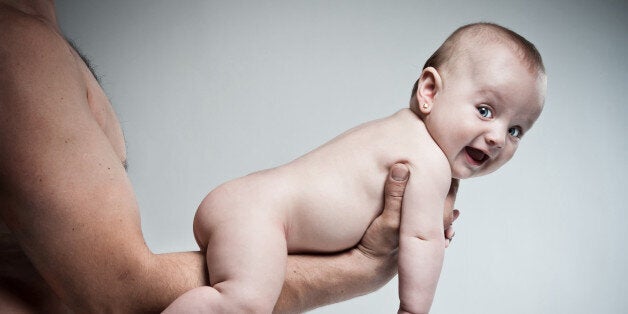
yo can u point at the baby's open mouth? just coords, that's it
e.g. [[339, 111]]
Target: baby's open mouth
[[476, 156]]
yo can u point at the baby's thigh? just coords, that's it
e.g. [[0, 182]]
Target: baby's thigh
[[247, 254]]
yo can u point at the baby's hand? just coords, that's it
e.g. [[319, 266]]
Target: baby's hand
[[450, 214]]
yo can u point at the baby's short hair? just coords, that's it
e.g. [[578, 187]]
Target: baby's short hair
[[482, 33]]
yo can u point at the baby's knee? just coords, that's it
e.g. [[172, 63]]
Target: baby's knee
[[249, 301], [257, 305], [223, 299]]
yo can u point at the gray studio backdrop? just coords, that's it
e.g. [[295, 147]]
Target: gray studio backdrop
[[207, 91]]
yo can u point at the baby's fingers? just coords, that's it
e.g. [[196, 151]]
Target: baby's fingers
[[450, 232]]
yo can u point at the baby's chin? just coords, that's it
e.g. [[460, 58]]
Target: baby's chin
[[461, 173], [467, 173], [460, 177]]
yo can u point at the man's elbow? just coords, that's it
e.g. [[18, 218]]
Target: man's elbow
[[125, 290]]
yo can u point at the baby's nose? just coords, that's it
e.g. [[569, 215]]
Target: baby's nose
[[495, 138]]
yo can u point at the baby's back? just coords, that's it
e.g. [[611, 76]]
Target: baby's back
[[327, 198]]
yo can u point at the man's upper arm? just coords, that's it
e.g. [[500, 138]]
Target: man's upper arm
[[63, 191]]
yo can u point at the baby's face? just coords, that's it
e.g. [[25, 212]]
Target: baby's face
[[486, 104]]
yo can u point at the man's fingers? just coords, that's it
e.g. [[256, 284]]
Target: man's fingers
[[393, 190], [456, 214], [449, 231], [396, 182], [382, 236]]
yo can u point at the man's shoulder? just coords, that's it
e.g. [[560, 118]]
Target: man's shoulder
[[32, 52], [16, 22], [23, 35]]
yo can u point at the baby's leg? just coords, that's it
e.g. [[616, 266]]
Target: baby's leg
[[246, 258]]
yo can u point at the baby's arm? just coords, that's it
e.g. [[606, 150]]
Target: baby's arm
[[421, 240]]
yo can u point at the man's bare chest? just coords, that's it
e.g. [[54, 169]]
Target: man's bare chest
[[102, 110]]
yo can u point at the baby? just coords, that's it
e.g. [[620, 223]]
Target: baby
[[478, 94]]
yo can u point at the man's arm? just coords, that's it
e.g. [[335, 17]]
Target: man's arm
[[63, 190]]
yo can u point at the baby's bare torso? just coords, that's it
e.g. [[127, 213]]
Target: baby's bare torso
[[326, 199]]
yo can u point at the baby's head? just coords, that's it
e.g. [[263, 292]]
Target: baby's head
[[478, 94]]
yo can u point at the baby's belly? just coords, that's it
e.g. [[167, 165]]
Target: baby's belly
[[329, 230], [331, 222]]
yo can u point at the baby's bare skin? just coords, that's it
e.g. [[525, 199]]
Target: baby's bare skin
[[339, 186], [478, 117], [322, 202]]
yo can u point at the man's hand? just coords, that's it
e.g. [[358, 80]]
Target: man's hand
[[381, 240], [382, 236]]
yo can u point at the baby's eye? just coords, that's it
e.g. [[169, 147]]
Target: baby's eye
[[515, 132], [485, 112]]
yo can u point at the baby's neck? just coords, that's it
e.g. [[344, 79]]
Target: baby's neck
[[414, 108]]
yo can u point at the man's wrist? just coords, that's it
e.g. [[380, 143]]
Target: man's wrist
[[317, 280], [376, 270]]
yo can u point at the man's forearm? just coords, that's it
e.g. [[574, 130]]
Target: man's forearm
[[311, 280], [317, 280], [170, 275]]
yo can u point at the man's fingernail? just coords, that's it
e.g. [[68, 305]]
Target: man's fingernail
[[399, 173]]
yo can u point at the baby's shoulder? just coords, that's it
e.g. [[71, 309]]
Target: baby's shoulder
[[403, 123], [408, 130], [401, 127], [400, 137]]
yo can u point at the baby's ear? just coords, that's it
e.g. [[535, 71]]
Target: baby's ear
[[429, 85]]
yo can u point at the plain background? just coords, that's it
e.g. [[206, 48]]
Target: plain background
[[207, 91]]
